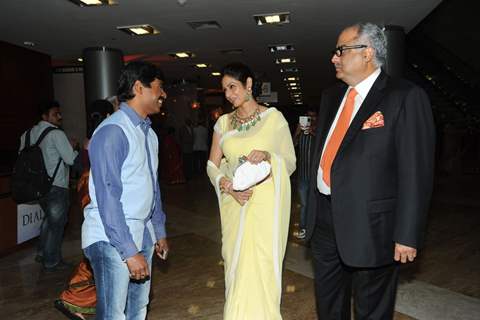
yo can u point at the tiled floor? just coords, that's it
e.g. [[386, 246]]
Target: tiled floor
[[190, 285]]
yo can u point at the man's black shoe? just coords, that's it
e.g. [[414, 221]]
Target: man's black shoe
[[61, 266]]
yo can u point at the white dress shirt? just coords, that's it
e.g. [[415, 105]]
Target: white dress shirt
[[362, 90]]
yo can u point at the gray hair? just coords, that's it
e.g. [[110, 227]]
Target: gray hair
[[376, 39]]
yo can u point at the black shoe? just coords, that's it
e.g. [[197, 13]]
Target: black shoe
[[61, 266], [61, 307]]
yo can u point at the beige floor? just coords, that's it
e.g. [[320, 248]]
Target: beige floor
[[190, 285]]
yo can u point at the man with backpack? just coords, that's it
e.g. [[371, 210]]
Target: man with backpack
[[58, 155]]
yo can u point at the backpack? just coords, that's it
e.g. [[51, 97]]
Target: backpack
[[30, 180]]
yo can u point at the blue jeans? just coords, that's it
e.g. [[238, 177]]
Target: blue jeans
[[55, 205], [118, 297], [303, 194]]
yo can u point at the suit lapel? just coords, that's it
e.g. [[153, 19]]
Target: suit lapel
[[367, 108], [327, 116]]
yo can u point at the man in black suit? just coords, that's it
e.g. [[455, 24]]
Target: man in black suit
[[373, 166]]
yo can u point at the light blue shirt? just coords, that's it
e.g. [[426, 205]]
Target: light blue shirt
[[54, 146], [125, 194]]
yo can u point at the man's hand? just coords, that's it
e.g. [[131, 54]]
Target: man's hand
[[404, 253], [138, 267], [161, 248]]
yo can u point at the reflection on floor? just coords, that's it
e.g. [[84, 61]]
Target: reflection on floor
[[190, 285]]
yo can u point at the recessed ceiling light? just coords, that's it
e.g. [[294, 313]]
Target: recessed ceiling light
[[80, 59], [289, 70], [292, 84], [201, 65], [139, 30], [294, 88], [29, 43], [281, 47], [184, 54], [94, 3], [291, 79], [285, 60], [216, 74], [272, 18]]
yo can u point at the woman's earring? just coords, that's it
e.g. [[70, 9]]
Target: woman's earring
[[248, 96]]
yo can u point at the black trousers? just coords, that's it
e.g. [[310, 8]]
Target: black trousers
[[373, 289]]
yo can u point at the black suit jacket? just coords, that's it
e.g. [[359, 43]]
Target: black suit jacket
[[381, 178]]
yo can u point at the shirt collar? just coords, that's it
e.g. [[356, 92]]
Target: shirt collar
[[133, 116], [366, 84], [46, 124]]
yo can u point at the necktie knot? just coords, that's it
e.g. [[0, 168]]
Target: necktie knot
[[352, 94]]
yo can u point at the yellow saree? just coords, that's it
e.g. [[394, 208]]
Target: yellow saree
[[254, 236]]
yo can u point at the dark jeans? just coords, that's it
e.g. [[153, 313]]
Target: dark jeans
[[374, 288], [55, 204], [303, 194]]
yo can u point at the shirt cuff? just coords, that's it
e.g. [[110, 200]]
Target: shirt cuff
[[160, 232], [127, 250]]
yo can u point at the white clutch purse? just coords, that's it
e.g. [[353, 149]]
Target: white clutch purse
[[248, 174]]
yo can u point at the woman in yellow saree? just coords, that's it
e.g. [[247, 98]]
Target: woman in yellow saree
[[254, 222]]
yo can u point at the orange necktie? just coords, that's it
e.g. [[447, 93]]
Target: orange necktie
[[337, 136]]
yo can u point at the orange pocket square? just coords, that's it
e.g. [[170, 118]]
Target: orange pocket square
[[375, 121]]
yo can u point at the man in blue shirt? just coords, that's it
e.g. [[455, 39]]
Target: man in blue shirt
[[124, 221]]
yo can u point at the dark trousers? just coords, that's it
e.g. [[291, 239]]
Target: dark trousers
[[373, 288], [199, 161]]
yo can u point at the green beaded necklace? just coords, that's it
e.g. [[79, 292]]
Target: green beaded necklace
[[244, 124]]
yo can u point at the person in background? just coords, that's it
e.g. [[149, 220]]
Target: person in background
[[186, 143], [172, 162], [200, 147], [303, 141], [59, 154]]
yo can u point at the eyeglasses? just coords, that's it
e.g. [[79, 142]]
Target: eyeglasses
[[339, 50]]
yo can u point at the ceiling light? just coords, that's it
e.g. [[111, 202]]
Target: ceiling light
[[292, 84], [291, 79], [94, 3], [272, 18], [289, 70], [201, 65], [183, 54], [216, 74], [80, 59], [29, 43], [139, 30], [91, 2], [285, 60], [280, 47], [294, 88]]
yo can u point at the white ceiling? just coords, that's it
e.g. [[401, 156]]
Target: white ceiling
[[62, 30]]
